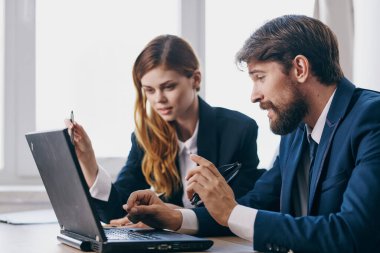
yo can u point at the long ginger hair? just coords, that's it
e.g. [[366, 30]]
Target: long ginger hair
[[157, 137]]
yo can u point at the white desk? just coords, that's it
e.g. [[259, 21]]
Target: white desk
[[42, 239]]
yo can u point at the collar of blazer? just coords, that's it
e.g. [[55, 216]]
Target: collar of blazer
[[339, 106], [207, 132]]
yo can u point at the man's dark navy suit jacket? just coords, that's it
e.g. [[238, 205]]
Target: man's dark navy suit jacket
[[344, 202]]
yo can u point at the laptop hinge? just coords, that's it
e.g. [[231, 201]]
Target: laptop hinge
[[78, 236], [75, 243]]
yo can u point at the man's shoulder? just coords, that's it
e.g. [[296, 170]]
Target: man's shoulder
[[365, 103], [366, 97]]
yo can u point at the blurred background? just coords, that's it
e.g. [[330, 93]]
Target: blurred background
[[63, 55]]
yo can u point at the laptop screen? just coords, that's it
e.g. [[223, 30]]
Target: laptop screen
[[60, 171]]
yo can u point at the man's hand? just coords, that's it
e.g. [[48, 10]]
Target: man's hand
[[211, 187], [144, 206]]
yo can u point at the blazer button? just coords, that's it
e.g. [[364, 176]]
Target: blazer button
[[276, 248], [269, 246]]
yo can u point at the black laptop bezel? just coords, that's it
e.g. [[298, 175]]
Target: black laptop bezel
[[100, 237]]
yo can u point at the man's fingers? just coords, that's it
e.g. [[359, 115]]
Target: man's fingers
[[194, 187], [131, 202], [200, 160], [198, 180], [203, 162], [141, 197], [134, 218], [201, 172], [138, 213]]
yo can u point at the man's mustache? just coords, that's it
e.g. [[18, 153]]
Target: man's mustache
[[267, 105]]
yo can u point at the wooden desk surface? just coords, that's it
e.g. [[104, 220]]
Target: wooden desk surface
[[42, 239]]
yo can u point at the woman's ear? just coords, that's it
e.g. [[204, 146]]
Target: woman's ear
[[197, 77], [301, 68]]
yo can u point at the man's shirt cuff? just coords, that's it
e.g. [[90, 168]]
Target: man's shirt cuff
[[101, 189], [189, 222], [241, 221]]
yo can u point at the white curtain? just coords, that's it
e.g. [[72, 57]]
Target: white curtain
[[367, 44], [359, 51], [339, 16]]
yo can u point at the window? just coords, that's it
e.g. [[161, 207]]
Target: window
[[226, 31], [75, 55], [85, 51]]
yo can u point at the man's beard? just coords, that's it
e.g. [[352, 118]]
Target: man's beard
[[289, 114]]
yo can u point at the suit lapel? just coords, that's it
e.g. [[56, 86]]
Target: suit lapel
[[289, 171], [338, 108], [207, 141]]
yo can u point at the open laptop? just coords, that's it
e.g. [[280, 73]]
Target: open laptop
[[69, 195]]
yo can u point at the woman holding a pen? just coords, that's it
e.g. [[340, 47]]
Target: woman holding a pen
[[172, 122]]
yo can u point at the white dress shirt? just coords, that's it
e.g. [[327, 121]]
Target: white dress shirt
[[242, 219], [185, 163], [101, 189]]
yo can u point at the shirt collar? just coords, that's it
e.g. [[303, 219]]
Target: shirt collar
[[316, 132], [191, 143]]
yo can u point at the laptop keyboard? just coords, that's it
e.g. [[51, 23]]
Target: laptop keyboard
[[127, 234]]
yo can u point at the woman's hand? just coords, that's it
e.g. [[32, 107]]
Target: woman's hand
[[125, 222], [84, 151]]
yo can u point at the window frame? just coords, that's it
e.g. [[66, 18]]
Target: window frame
[[19, 95]]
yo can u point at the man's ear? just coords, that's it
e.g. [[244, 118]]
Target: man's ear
[[197, 77], [301, 68]]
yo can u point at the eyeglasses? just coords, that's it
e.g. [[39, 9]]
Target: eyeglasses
[[228, 171]]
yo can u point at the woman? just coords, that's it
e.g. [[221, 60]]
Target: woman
[[171, 123]]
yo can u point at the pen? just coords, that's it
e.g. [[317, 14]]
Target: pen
[[72, 121], [228, 171]]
